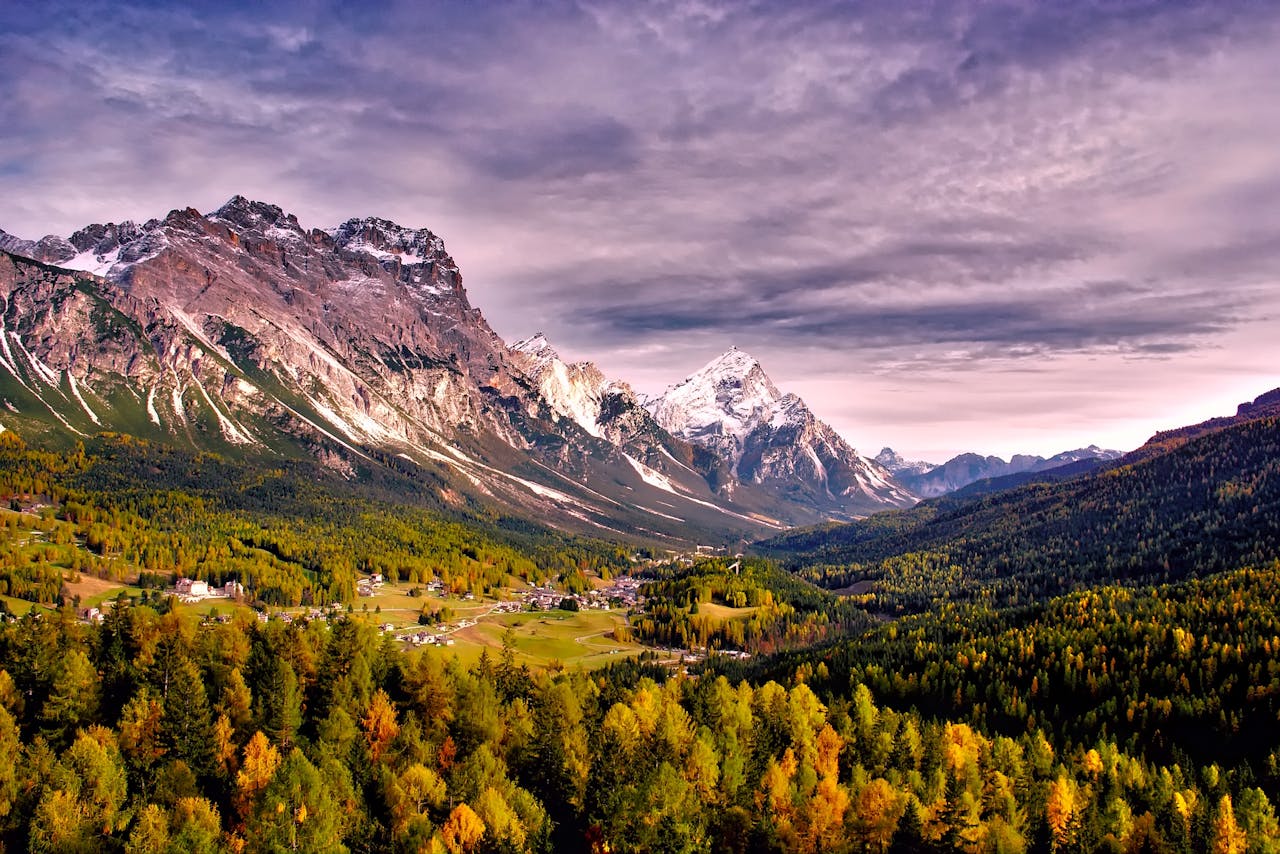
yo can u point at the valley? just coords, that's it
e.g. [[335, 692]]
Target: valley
[[330, 565]]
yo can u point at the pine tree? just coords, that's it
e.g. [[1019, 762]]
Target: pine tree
[[279, 704], [908, 838], [187, 726]]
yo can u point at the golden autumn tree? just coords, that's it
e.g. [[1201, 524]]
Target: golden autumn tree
[[877, 809], [261, 759], [1060, 809], [224, 746], [462, 830], [1228, 837], [379, 724]]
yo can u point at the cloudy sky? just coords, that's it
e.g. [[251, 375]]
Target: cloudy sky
[[948, 226]]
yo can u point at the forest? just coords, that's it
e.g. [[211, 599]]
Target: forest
[[151, 733], [1204, 506], [1086, 666]]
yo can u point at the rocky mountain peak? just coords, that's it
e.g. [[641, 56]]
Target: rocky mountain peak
[[385, 240], [733, 409], [247, 214], [101, 239], [50, 249], [896, 464], [536, 345]]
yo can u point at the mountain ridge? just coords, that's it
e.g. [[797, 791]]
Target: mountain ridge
[[242, 331], [964, 469]]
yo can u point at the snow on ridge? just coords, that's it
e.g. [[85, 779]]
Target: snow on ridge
[[9, 362], [91, 262], [661, 481], [233, 431], [656, 513], [188, 322], [75, 390], [653, 477], [668, 455], [151, 407], [535, 345], [46, 373], [573, 391], [536, 488]]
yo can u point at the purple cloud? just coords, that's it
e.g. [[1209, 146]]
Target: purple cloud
[[906, 210]]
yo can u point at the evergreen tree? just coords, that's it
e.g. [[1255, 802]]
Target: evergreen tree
[[187, 725], [908, 838]]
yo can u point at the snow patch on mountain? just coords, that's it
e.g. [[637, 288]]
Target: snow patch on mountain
[[75, 390], [651, 476], [151, 407]]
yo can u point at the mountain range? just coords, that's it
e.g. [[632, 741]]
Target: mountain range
[[927, 480], [245, 333]]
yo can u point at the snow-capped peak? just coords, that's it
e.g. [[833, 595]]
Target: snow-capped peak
[[574, 391], [721, 403], [732, 408], [536, 345]]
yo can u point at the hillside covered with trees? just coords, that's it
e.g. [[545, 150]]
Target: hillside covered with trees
[[1206, 505]]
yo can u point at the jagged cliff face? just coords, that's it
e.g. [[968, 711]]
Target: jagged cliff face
[[773, 440], [371, 340], [245, 332]]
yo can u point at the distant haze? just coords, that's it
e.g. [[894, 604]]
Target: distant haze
[[1005, 228]]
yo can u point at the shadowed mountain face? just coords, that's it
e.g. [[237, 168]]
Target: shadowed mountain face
[[242, 331], [1205, 503]]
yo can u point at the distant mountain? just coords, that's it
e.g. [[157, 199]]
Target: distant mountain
[[773, 440], [989, 485], [964, 469], [895, 464]]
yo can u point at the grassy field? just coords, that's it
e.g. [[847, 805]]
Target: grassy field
[[724, 612], [94, 591], [542, 638], [19, 607], [393, 604], [545, 637]]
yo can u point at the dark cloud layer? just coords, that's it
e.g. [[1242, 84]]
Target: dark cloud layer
[[989, 203]]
